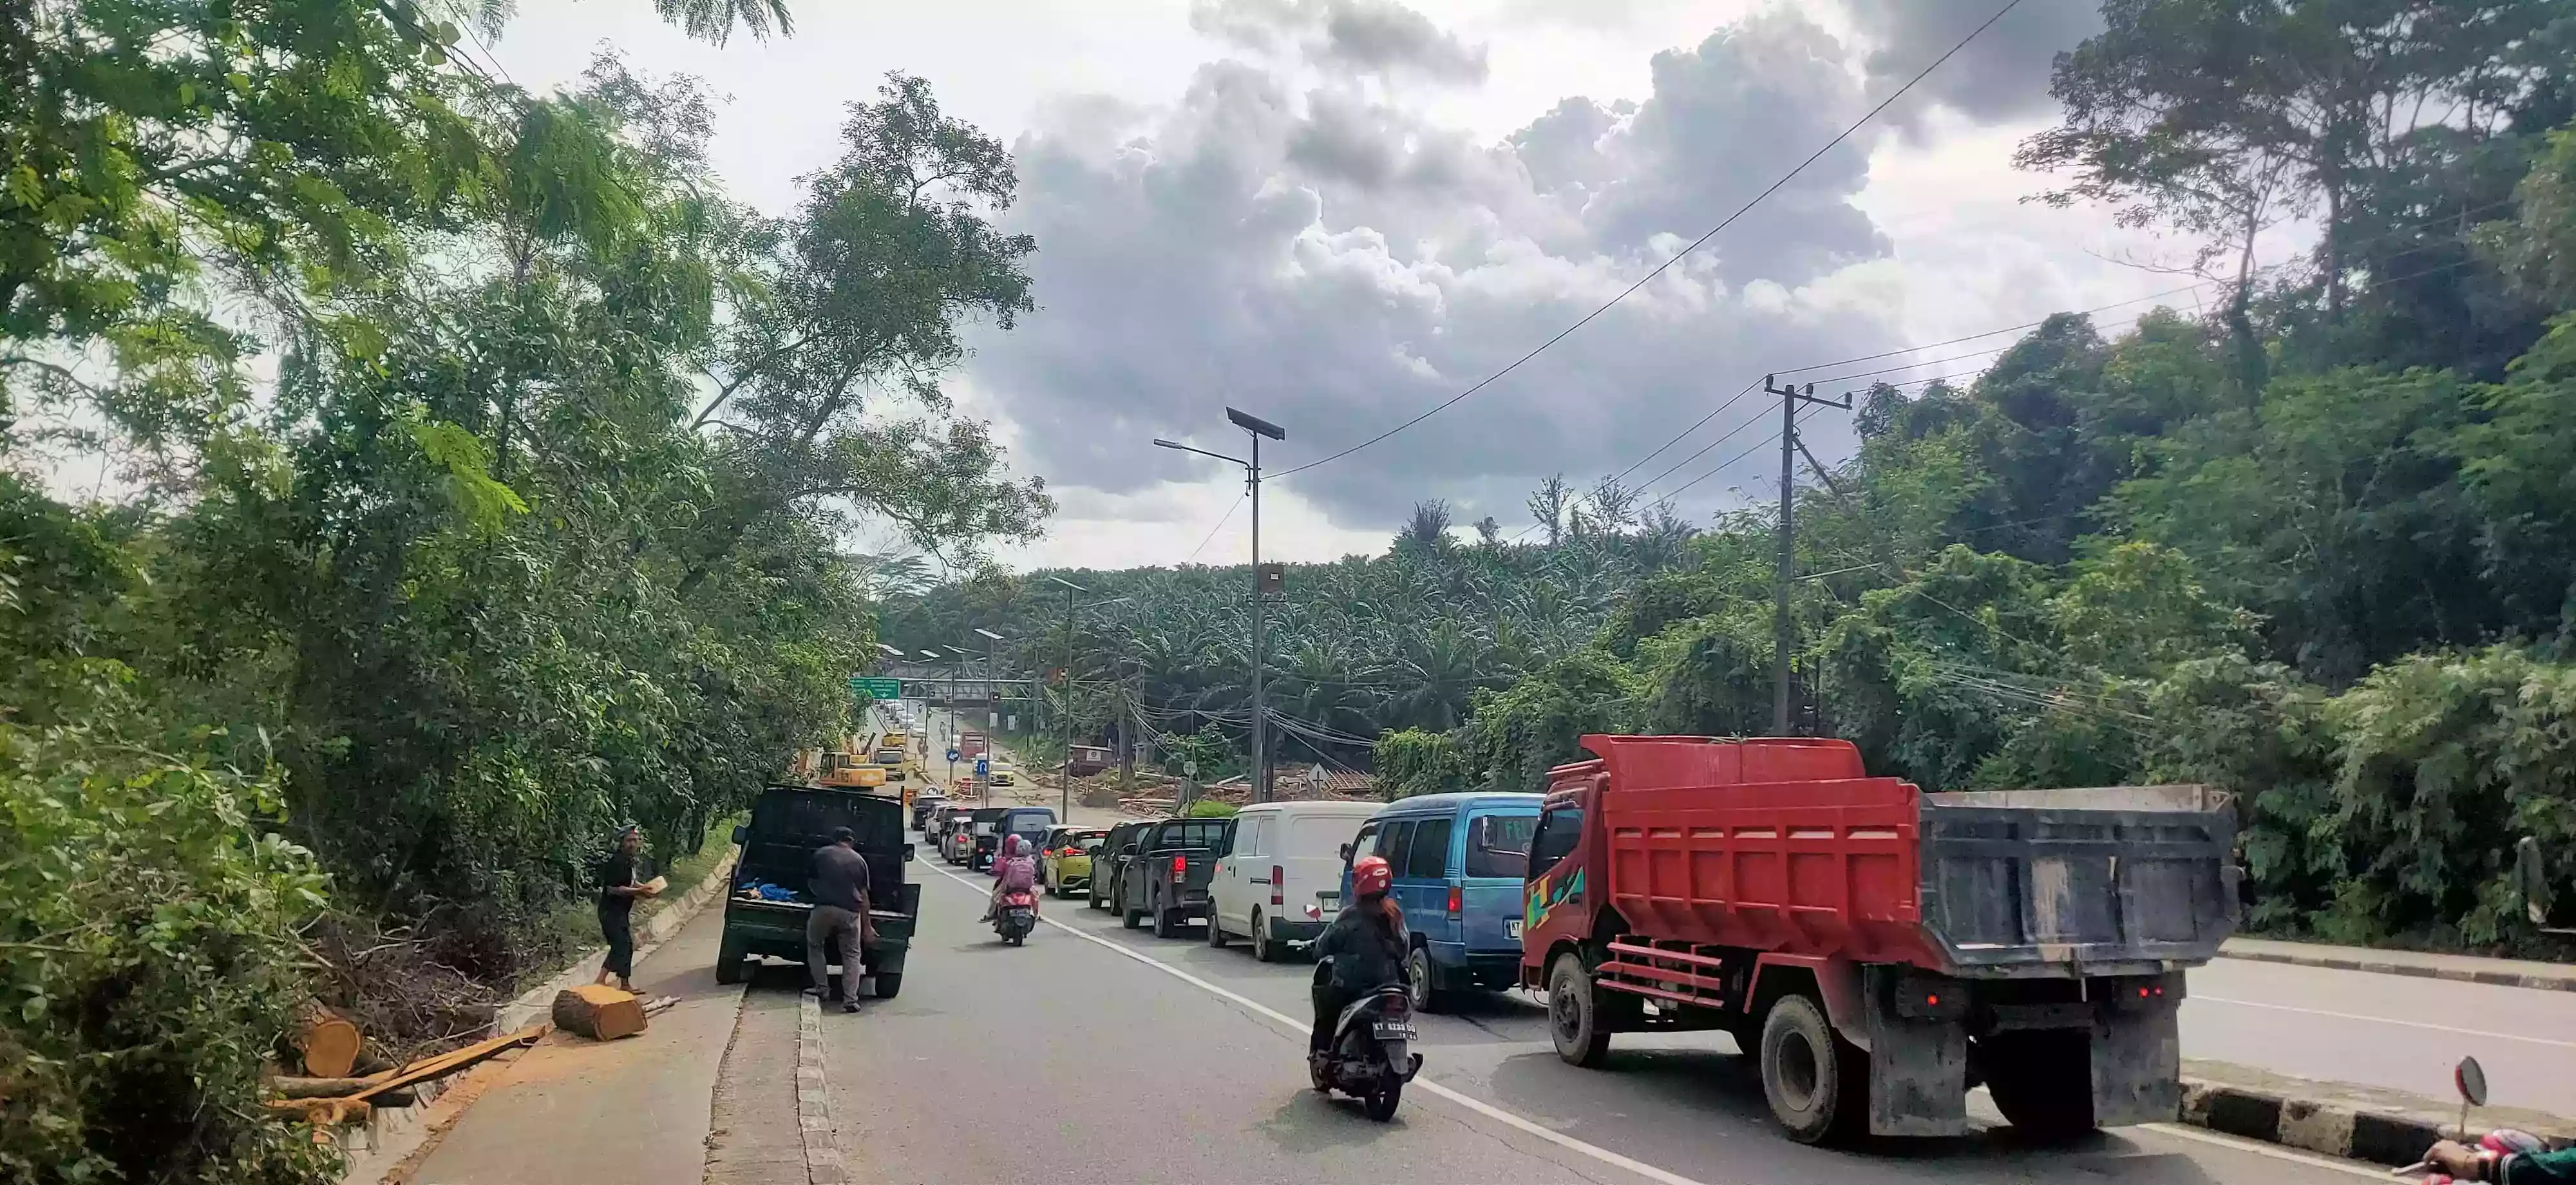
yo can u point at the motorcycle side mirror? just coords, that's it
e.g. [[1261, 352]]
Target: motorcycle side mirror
[[1346, 853], [740, 832], [2471, 1079]]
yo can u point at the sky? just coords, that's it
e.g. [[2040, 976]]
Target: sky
[[1336, 214]]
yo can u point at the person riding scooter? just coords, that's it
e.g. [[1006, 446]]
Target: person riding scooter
[[1366, 945], [1015, 870]]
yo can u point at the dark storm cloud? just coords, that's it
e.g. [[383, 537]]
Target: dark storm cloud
[[1335, 264], [2003, 74], [1361, 36]]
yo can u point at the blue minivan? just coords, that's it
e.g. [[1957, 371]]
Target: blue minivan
[[1458, 861]]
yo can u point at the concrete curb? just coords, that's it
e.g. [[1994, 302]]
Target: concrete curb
[[2546, 981], [538, 1002], [823, 1164], [2327, 1128]]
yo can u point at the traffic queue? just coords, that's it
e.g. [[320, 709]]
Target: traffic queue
[[1877, 950]]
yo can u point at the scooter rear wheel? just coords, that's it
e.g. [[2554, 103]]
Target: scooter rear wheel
[[1380, 1104]]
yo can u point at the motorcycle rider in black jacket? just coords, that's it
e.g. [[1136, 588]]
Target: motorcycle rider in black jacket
[[1366, 943]]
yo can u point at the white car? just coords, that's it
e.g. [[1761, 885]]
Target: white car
[[1285, 856]]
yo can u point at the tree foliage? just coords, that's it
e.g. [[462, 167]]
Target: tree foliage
[[483, 477]]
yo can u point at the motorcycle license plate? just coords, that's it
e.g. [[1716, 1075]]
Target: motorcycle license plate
[[1511, 927], [1393, 1030]]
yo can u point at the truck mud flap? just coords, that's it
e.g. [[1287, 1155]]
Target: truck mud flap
[[1918, 1065], [2137, 1067]]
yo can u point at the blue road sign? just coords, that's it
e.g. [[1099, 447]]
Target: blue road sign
[[982, 767], [952, 754]]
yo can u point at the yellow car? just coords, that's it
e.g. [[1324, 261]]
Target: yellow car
[[1000, 773], [1064, 859]]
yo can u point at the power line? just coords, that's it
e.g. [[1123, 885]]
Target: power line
[[2193, 286], [1220, 525], [1677, 256]]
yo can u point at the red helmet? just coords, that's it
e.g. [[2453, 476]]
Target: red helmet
[[1370, 876]]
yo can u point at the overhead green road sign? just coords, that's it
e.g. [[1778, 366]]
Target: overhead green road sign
[[876, 688]]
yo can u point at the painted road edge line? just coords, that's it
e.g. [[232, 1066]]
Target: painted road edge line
[[823, 1165], [2385, 1020], [1479, 1106], [2259, 1148]]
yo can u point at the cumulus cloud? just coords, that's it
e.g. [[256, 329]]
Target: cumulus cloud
[[1336, 264], [2003, 74], [1355, 36]]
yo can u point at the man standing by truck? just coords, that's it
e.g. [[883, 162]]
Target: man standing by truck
[[838, 883]]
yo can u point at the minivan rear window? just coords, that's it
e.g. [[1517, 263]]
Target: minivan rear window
[[1498, 845]]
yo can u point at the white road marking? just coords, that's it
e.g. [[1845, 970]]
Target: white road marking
[[1650, 1172], [1479, 1106], [2383, 1020], [2259, 1148]]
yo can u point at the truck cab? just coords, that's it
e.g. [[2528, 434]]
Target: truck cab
[[765, 907], [1879, 950]]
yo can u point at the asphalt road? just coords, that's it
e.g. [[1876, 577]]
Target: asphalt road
[[2385, 1030], [1100, 1054]]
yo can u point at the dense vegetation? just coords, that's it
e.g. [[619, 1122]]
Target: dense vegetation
[[2318, 547], [405, 478]]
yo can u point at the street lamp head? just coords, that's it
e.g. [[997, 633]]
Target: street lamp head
[[1159, 442], [1068, 584], [989, 634], [1256, 425], [891, 652], [932, 655]]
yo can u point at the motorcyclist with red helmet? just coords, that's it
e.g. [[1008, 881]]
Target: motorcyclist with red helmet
[[1367, 943]]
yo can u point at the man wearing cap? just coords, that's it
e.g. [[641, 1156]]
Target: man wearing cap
[[619, 886]]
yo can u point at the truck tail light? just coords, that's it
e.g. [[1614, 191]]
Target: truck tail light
[[1180, 867], [1277, 895], [1457, 900]]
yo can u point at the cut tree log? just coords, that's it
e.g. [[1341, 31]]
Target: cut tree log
[[449, 1062], [329, 1043], [599, 1012]]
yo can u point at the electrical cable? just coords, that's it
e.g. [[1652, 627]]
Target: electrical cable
[[1677, 256]]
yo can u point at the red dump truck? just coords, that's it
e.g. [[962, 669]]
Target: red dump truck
[[1878, 950]]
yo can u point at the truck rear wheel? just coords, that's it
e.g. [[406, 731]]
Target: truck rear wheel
[[729, 960], [885, 984], [1816, 1083], [2041, 1080], [1574, 1014]]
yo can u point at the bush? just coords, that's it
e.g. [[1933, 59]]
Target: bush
[[149, 920], [1209, 808], [1411, 762]]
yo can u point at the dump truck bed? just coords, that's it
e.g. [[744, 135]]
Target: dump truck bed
[[1787, 846]]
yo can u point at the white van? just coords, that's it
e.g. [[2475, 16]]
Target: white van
[[1284, 855]]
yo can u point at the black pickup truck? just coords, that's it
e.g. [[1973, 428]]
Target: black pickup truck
[[787, 824], [1166, 878]]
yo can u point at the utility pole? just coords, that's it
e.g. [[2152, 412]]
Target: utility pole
[[1784, 638], [1260, 650], [1262, 582]]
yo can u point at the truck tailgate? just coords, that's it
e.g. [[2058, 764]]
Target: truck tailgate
[[2096, 878]]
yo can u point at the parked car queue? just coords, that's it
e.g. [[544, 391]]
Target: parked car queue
[[1275, 873]]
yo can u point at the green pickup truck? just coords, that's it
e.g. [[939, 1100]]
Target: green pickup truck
[[787, 824]]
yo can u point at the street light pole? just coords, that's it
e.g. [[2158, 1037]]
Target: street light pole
[[1259, 428]]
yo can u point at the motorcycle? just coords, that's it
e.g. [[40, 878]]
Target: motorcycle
[[1017, 916], [1371, 1056]]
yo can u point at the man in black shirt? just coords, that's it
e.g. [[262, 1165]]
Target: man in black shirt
[[619, 886], [837, 880]]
